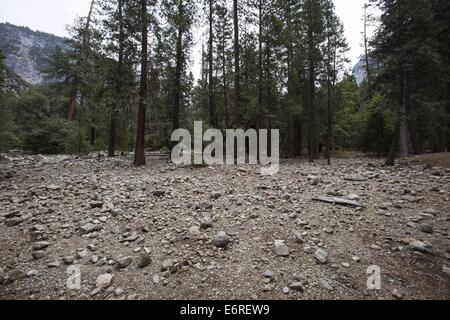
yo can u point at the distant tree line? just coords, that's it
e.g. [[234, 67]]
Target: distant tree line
[[125, 84]]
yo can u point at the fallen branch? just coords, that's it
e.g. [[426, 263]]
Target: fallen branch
[[334, 200]]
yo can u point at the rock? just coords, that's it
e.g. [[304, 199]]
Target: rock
[[14, 222], [53, 264], [89, 228], [298, 237], [321, 256], [205, 205], [167, 264], [297, 286], [17, 275], [96, 204], [396, 294], [32, 273], [206, 223], [326, 285], [194, 231], [2, 275], [353, 197], [422, 247], [281, 249], [68, 260], [156, 279], [269, 274], [445, 269], [286, 290], [425, 228], [159, 193], [221, 240], [144, 260], [215, 195], [104, 281], [431, 212], [38, 255], [82, 254], [117, 212], [124, 262]]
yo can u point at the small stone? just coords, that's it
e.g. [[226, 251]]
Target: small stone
[[167, 264], [445, 269], [206, 223], [124, 262], [96, 204], [17, 275], [298, 237], [194, 231], [159, 193], [104, 281], [116, 212], [297, 286], [156, 279], [53, 264], [68, 260], [396, 294], [286, 290], [353, 197], [281, 249], [94, 259], [375, 247], [144, 260], [40, 245], [82, 254], [32, 273], [221, 240], [89, 228], [346, 265], [356, 259], [37, 255], [426, 228], [205, 205], [326, 285], [421, 247], [269, 274], [321, 256]]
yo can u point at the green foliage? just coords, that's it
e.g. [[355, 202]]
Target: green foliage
[[55, 136]]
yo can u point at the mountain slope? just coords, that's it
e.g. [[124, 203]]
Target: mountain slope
[[27, 52]]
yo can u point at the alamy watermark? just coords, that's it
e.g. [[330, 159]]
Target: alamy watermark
[[240, 146]]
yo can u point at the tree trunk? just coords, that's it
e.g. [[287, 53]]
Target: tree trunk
[[403, 119], [139, 156], [112, 136], [393, 149], [366, 52], [260, 58], [82, 59], [212, 114], [330, 124], [178, 68], [237, 67], [311, 106]]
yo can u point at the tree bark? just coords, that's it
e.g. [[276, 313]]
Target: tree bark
[[82, 59], [139, 156], [403, 119], [237, 67], [211, 104], [112, 135], [178, 69]]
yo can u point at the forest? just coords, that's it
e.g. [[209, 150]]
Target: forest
[[125, 81]]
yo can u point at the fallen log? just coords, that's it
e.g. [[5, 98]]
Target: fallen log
[[340, 201]]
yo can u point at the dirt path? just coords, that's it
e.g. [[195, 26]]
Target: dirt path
[[106, 217]]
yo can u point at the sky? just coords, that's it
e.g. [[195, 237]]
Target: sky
[[53, 16]]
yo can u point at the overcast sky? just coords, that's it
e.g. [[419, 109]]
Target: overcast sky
[[52, 16]]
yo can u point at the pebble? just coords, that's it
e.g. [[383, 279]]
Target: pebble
[[124, 262], [281, 249], [321, 256], [221, 240], [144, 260], [297, 286], [104, 281]]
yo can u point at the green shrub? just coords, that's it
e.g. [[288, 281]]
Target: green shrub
[[55, 136]]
